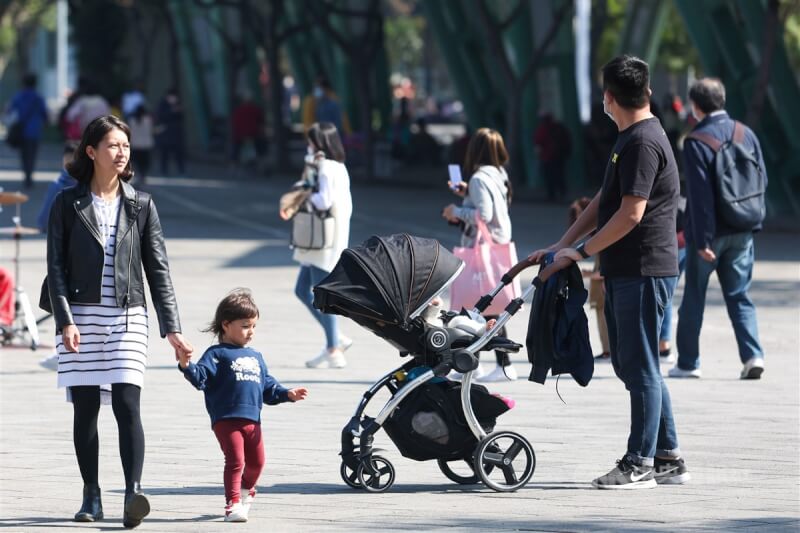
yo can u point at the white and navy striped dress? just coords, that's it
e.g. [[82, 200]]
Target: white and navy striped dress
[[113, 344]]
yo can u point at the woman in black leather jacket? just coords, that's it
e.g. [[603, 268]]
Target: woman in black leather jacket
[[101, 235]]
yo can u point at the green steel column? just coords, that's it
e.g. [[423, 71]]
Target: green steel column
[[218, 66], [644, 23], [448, 28], [519, 42], [196, 85], [729, 41]]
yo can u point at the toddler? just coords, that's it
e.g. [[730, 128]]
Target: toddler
[[236, 383]]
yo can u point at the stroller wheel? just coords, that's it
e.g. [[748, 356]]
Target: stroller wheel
[[375, 474], [505, 461], [349, 476], [470, 479]]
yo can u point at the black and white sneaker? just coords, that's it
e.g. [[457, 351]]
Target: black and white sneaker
[[626, 475], [671, 472]]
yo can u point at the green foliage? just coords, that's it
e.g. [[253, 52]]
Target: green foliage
[[791, 39], [677, 51], [404, 41]]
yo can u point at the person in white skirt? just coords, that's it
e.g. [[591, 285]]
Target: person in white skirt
[[101, 235], [332, 192]]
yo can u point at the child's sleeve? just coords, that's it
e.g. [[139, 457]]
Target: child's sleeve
[[274, 392], [201, 375]]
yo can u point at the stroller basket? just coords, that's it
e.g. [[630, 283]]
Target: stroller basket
[[429, 423]]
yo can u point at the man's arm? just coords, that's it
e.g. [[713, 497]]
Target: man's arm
[[700, 201], [626, 218]]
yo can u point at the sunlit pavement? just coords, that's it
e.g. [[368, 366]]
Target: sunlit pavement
[[740, 439]]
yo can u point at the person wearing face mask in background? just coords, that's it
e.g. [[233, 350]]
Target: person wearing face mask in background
[[331, 188], [322, 105]]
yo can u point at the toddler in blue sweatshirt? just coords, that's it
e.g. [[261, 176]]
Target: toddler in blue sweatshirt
[[236, 383]]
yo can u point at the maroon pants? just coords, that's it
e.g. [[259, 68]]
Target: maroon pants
[[240, 440]]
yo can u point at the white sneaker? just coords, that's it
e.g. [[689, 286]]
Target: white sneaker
[[249, 498], [344, 342], [326, 359], [678, 372], [753, 368], [235, 512], [50, 362], [500, 373], [476, 374]]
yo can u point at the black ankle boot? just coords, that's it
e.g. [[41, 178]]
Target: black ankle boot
[[136, 506], [92, 508]]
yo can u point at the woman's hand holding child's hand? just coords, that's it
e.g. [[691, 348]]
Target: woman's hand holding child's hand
[[184, 358], [298, 394]]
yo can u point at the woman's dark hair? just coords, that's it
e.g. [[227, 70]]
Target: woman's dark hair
[[237, 305], [325, 138], [81, 167], [627, 78], [708, 94], [486, 147]]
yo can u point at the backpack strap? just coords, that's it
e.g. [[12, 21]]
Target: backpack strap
[[738, 132], [712, 142]]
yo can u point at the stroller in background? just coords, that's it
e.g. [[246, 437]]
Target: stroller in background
[[385, 285]]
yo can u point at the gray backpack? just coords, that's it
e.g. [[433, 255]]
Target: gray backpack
[[739, 180]]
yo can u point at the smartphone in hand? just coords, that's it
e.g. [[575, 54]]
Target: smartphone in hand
[[455, 176]]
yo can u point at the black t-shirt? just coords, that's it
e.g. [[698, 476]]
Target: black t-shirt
[[642, 164]]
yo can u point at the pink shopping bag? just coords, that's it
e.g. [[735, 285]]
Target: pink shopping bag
[[484, 265]]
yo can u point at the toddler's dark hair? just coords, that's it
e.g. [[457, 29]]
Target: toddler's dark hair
[[577, 207], [238, 304]]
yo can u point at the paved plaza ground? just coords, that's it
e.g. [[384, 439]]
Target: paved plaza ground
[[740, 439]]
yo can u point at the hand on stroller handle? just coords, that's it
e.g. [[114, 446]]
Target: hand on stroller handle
[[543, 276]]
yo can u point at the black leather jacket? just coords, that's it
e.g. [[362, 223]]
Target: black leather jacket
[[75, 257]]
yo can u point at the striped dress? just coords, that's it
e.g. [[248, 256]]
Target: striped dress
[[113, 340]]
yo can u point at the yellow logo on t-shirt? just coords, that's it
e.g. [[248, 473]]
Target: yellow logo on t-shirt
[[614, 158]]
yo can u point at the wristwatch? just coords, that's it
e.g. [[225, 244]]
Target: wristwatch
[[581, 249]]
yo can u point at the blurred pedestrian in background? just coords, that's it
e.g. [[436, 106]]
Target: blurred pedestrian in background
[[142, 141], [553, 148], [169, 132], [27, 118], [487, 195]]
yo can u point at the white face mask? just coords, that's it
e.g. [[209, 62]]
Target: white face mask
[[309, 150], [606, 111], [318, 92]]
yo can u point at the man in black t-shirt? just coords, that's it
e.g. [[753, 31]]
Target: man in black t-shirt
[[634, 214]]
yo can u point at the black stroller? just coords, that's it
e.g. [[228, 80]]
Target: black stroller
[[386, 285]]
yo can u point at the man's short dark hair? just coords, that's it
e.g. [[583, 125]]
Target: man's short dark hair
[[708, 94], [627, 78]]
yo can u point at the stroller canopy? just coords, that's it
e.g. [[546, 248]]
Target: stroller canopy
[[388, 279]]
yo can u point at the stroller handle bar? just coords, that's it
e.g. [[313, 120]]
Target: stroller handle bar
[[543, 276], [509, 276]]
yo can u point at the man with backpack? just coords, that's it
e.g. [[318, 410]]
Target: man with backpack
[[725, 181]]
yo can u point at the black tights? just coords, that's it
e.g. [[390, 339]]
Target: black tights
[[125, 403]]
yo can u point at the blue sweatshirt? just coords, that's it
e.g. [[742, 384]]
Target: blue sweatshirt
[[235, 381], [63, 181]]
